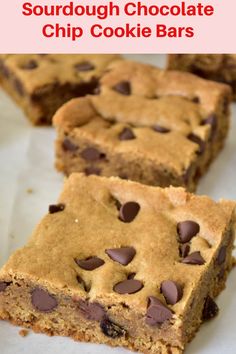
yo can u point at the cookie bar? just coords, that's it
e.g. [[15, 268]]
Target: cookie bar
[[218, 67], [40, 84], [148, 125], [121, 263]]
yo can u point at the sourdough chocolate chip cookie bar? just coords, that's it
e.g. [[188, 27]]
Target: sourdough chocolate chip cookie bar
[[120, 263], [218, 67], [40, 84], [148, 125]]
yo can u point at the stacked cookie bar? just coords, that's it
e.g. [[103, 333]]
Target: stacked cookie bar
[[218, 67], [148, 125], [121, 263]]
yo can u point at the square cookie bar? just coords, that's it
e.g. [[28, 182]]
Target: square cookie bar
[[149, 125], [120, 263], [218, 67], [40, 84]]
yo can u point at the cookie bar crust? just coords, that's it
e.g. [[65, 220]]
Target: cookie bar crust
[[218, 67], [40, 84], [121, 263], [148, 125]]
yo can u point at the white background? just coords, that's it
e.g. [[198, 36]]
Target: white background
[[26, 162]]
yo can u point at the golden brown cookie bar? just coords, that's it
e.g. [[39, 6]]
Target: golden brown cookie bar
[[148, 125], [121, 263], [40, 84], [218, 67]]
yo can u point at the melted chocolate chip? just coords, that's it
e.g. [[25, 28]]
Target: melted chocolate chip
[[3, 285], [55, 208], [84, 66], [194, 258], [129, 211], [187, 230], [221, 255], [90, 263], [92, 154], [67, 145], [195, 139], [161, 129], [126, 134], [172, 291], [110, 329], [43, 301], [157, 312], [129, 286], [92, 310], [123, 87], [123, 255], [210, 309], [184, 250], [30, 65], [92, 170]]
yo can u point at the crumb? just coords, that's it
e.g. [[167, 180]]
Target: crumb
[[29, 190], [23, 332]]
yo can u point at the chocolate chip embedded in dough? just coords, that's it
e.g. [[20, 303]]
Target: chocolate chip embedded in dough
[[123, 87], [18, 87], [92, 170], [67, 145], [92, 310], [90, 263], [92, 154], [84, 66], [3, 286], [129, 211], [29, 65], [110, 329], [171, 291], [129, 286], [161, 129], [221, 255], [184, 250], [194, 258], [55, 208], [212, 121], [187, 230], [195, 139], [43, 301], [157, 312], [210, 309], [127, 134], [122, 255]]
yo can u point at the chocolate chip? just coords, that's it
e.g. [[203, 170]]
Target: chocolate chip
[[67, 145], [129, 211], [84, 66], [30, 65], [131, 275], [184, 250], [157, 312], [90, 263], [92, 310], [126, 134], [55, 208], [82, 282], [123, 255], [43, 301], [161, 129], [196, 99], [194, 258], [195, 139], [129, 286], [212, 121], [210, 309], [91, 154], [187, 174], [221, 255], [92, 170], [110, 329], [123, 87], [187, 230], [172, 291], [3, 285], [18, 86]]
